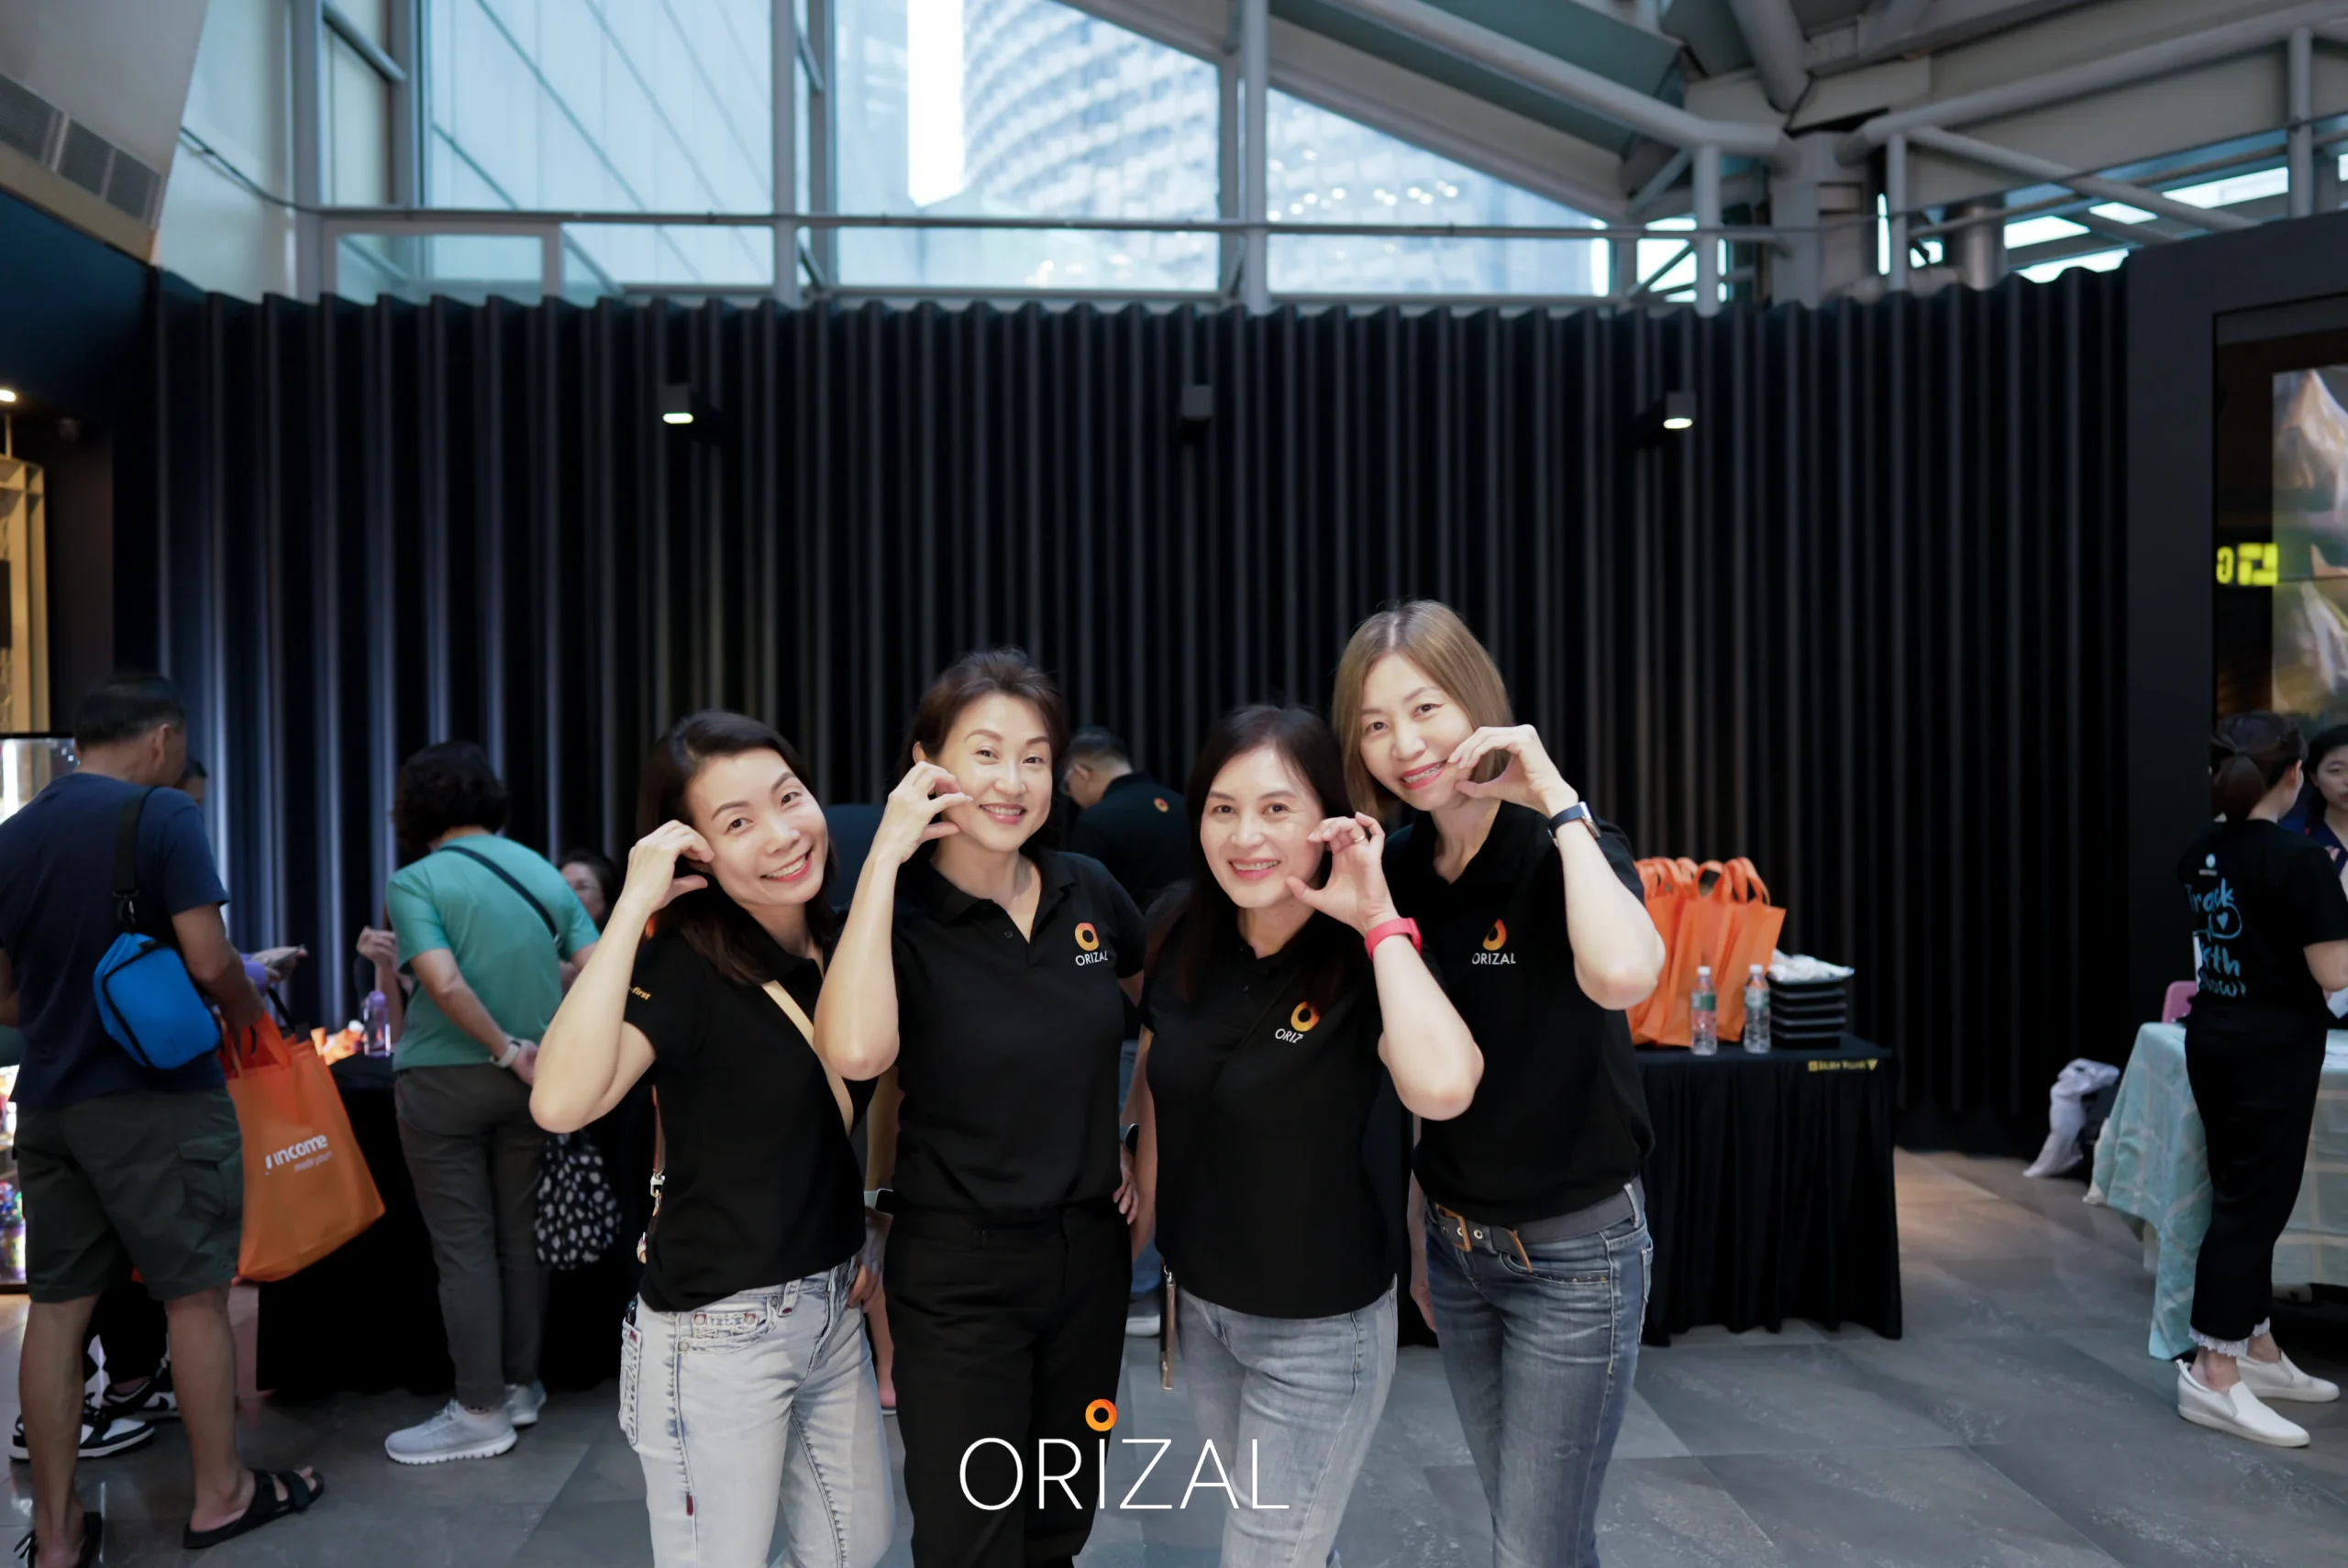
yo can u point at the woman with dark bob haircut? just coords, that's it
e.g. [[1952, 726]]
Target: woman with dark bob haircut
[[746, 1388], [992, 975], [485, 925]]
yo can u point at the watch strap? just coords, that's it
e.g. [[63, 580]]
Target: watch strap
[[1578, 811]]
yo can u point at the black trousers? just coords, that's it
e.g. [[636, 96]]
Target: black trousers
[[2255, 1089], [1004, 1335]]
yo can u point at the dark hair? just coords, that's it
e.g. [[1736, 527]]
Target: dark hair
[[1096, 740], [447, 786], [1005, 672], [2248, 756], [1197, 917], [196, 769], [126, 705], [607, 876], [712, 924]]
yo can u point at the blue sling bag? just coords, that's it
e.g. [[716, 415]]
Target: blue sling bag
[[146, 999]]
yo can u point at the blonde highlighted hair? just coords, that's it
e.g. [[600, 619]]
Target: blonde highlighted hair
[[1433, 637]]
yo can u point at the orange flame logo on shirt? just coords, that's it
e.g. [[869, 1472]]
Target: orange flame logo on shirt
[[1086, 937], [1159, 801], [1303, 1018], [1498, 938]]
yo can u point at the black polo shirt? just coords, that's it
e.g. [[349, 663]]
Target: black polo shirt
[[1265, 1198], [1559, 1120], [1140, 831], [761, 1186], [1007, 1047]]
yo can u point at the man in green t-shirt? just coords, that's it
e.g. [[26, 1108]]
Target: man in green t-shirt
[[487, 927]]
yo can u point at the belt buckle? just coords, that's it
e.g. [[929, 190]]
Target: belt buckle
[[1460, 1223]]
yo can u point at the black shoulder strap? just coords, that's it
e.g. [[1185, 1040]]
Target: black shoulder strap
[[508, 878], [126, 862]]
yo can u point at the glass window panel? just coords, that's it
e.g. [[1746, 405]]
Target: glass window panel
[[470, 267], [359, 114], [595, 104], [1325, 167], [1020, 109], [678, 256]]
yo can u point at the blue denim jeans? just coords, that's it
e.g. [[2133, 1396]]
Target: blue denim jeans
[[1145, 1267], [1540, 1351], [761, 1403], [1290, 1405]]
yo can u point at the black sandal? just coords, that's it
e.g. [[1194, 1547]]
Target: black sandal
[[93, 1534], [265, 1507]]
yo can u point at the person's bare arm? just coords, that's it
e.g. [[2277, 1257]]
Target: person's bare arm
[[7, 993], [1141, 1111], [2328, 962], [856, 1018], [216, 965], [436, 972]]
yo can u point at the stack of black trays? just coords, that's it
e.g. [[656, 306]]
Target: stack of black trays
[[1809, 1012]]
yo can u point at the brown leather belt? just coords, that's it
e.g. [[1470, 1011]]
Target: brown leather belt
[[1477, 1235]]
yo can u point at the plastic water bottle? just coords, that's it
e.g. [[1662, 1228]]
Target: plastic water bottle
[[1704, 1014], [375, 1025], [1756, 1009]]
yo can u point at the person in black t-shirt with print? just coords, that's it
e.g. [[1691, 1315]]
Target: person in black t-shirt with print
[[1283, 989], [744, 1381], [2270, 922], [992, 975], [1531, 1261]]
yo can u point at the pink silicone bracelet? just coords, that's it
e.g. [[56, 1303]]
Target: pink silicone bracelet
[[1402, 925]]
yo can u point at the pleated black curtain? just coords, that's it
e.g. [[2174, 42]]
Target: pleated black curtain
[[1861, 622]]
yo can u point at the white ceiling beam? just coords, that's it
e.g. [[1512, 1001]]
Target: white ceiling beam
[[1960, 146], [1893, 29], [1774, 35], [2182, 52], [1562, 79]]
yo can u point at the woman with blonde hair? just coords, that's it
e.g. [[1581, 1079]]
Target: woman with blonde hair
[[1529, 1239]]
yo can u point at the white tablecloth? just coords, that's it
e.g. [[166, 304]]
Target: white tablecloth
[[2151, 1162]]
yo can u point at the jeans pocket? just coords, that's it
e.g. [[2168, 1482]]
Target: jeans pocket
[[1585, 1264], [718, 1328], [631, 1379]]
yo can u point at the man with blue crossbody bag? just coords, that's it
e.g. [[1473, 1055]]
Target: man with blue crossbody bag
[[111, 944]]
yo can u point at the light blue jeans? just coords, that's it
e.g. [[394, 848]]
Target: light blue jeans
[[1146, 1271], [761, 1401], [1290, 1405], [1540, 1351]]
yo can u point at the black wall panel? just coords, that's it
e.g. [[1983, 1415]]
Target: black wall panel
[[1862, 624]]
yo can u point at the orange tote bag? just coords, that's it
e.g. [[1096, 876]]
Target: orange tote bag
[[1670, 887], [307, 1189], [1751, 938]]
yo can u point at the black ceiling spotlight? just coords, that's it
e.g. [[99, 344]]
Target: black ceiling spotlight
[[1672, 415], [682, 407], [1198, 410]]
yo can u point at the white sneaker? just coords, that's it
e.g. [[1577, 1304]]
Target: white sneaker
[[1143, 1319], [523, 1404], [2237, 1411], [455, 1433], [2281, 1380]]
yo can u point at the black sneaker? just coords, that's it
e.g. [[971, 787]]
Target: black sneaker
[[101, 1435], [155, 1399]]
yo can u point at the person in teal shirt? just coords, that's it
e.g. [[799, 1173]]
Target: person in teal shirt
[[489, 929]]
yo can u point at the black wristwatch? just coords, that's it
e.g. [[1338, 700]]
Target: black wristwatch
[[1132, 1138], [1578, 811]]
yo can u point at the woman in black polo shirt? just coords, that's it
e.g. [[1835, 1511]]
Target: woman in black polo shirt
[[1532, 1258], [1282, 990], [745, 1383], [992, 975]]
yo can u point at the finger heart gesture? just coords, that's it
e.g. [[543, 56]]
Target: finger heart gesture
[[1355, 891], [653, 876], [1530, 779], [912, 816]]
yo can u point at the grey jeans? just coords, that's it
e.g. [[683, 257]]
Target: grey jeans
[[761, 1403], [472, 1152], [1290, 1405]]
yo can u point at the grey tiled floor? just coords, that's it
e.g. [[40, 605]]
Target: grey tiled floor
[[2018, 1422]]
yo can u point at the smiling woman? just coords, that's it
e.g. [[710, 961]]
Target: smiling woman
[[991, 975], [744, 1365]]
